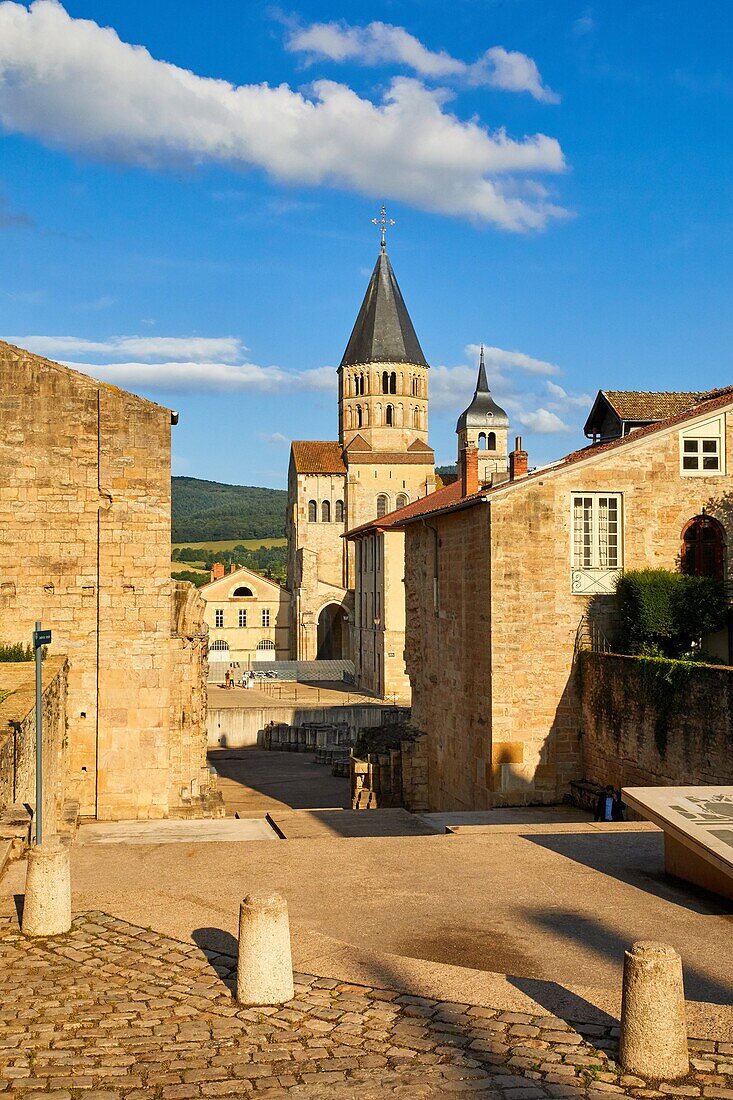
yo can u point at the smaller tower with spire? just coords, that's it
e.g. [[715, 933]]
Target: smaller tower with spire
[[485, 425]]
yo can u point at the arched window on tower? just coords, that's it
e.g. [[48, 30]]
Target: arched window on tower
[[416, 417], [385, 381], [402, 500], [482, 441], [360, 388], [703, 548], [339, 511], [358, 416], [382, 505], [312, 511], [491, 444], [393, 382], [326, 511], [389, 416]]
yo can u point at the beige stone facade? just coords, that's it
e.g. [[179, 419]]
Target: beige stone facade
[[85, 547], [499, 586], [379, 619], [248, 617], [380, 462]]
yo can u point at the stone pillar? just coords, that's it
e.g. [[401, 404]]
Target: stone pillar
[[653, 1027], [264, 964], [47, 903]]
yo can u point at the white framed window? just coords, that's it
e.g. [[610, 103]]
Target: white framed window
[[265, 616], [218, 617], [596, 541], [242, 616], [702, 449]]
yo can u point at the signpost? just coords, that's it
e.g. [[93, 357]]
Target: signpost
[[40, 639]]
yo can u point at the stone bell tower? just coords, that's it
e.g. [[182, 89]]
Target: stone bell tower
[[485, 425]]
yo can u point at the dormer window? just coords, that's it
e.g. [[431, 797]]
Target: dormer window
[[702, 449]]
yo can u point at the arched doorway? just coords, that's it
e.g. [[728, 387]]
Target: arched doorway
[[333, 634]]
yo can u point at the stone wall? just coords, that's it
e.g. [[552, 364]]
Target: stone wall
[[18, 737], [448, 654], [189, 773], [242, 727], [636, 734], [396, 775], [85, 515], [492, 663]]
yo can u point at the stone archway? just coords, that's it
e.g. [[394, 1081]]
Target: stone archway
[[333, 633]]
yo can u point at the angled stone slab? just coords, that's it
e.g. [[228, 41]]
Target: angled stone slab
[[698, 831]]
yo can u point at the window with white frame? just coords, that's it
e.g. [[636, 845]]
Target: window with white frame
[[218, 618], [597, 532], [242, 616], [702, 448], [265, 616]]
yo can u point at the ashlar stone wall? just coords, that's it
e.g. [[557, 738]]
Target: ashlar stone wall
[[85, 546]]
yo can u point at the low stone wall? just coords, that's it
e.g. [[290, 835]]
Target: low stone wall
[[243, 727], [395, 775], [642, 730], [18, 736]]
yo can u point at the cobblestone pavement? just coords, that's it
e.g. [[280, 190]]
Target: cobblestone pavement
[[113, 1011]]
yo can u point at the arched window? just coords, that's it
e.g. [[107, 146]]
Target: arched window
[[393, 382], [416, 417], [266, 643], [312, 511], [389, 415], [242, 591], [402, 500], [482, 441], [492, 441], [385, 381], [382, 505], [358, 416], [703, 548], [339, 513], [219, 646], [326, 511], [360, 385]]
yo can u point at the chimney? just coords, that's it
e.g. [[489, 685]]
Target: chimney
[[469, 471], [517, 461], [233, 567], [217, 570]]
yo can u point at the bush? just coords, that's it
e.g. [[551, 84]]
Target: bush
[[196, 579], [16, 652], [665, 614]]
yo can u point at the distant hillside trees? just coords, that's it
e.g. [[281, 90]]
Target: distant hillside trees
[[206, 511], [270, 561]]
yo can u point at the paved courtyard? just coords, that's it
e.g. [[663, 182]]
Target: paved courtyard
[[115, 1011]]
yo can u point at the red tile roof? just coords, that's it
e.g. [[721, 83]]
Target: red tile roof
[[640, 405], [433, 502], [318, 457]]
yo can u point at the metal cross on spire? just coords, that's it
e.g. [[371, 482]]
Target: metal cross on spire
[[383, 221]]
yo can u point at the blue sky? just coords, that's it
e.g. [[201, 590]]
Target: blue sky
[[194, 221]]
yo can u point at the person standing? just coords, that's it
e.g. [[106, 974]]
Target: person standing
[[609, 806]]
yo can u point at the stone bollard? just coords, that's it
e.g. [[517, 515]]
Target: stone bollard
[[47, 903], [264, 964], [653, 1028]]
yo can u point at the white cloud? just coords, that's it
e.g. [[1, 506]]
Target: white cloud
[[585, 24], [501, 360], [193, 348], [382, 43], [563, 399], [208, 377], [277, 439], [543, 421], [75, 85], [451, 387]]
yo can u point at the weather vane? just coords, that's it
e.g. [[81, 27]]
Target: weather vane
[[383, 221]]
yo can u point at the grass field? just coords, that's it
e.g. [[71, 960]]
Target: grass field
[[190, 566], [229, 544]]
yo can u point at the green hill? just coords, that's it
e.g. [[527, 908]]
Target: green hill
[[204, 511]]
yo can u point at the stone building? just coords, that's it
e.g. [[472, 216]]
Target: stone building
[[381, 461], [248, 617], [502, 582], [485, 426], [85, 508]]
